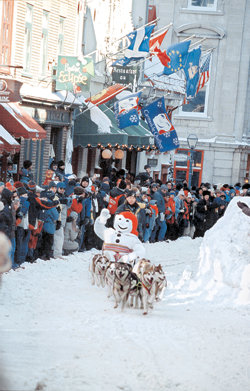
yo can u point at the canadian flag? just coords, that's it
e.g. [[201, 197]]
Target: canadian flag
[[154, 47]]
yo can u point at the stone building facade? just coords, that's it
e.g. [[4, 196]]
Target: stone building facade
[[221, 122]]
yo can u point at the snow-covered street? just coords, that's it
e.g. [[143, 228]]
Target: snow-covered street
[[58, 332]]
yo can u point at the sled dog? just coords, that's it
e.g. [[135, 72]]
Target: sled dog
[[160, 282], [110, 276], [146, 273], [122, 283], [135, 292], [98, 268]]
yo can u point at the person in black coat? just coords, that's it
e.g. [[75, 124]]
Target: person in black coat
[[205, 215]]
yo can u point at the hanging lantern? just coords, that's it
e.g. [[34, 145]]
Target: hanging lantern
[[106, 154], [119, 154]]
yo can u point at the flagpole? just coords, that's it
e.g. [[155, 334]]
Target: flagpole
[[139, 28], [161, 29], [99, 103], [198, 42], [188, 38]]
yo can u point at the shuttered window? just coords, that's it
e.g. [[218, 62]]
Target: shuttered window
[[6, 34], [28, 38], [44, 43]]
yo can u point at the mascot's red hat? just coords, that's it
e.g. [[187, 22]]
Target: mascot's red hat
[[132, 217]]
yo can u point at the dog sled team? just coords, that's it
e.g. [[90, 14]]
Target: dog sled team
[[122, 266]]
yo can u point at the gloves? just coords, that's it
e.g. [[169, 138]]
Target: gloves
[[147, 211], [181, 210], [58, 225], [104, 216], [162, 216]]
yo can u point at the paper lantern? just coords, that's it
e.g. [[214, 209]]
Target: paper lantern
[[119, 154], [106, 154]]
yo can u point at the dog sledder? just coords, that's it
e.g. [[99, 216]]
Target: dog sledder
[[122, 266]]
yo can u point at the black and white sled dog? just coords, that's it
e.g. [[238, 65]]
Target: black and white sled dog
[[122, 283], [160, 282], [98, 268], [109, 277]]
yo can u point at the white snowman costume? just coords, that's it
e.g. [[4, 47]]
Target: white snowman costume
[[121, 243]]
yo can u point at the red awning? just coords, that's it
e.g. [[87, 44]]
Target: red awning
[[19, 123], [7, 142]]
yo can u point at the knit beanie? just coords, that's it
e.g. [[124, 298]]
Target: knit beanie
[[122, 185]]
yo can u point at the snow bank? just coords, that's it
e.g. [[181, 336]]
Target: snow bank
[[224, 268]]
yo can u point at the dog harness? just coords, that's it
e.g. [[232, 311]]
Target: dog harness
[[117, 248]]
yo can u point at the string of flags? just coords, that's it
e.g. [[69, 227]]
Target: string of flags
[[144, 44]]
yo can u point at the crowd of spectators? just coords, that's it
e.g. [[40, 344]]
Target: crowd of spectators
[[57, 218]]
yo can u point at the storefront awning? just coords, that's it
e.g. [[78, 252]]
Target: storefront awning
[[138, 135], [7, 142], [94, 128], [19, 123]]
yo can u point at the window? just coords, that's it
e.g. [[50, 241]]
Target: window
[[61, 35], [198, 106], [6, 34], [44, 43], [28, 38], [205, 4]]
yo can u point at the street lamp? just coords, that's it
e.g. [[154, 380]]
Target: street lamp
[[192, 141]]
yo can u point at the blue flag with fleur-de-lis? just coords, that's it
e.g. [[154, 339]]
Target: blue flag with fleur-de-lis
[[192, 74], [138, 47], [178, 56]]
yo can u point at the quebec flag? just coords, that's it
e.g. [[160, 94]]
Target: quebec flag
[[192, 73], [159, 123], [138, 47], [126, 110], [178, 56]]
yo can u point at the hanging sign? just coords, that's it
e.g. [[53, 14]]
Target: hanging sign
[[125, 75], [74, 75], [9, 90]]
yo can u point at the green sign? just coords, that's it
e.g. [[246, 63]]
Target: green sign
[[73, 74]]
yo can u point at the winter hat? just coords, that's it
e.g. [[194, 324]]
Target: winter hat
[[147, 166], [21, 191], [52, 184], [130, 193], [27, 164], [74, 215], [79, 190], [206, 192], [60, 163], [154, 185], [1, 184], [61, 185], [181, 192], [9, 186], [164, 187], [32, 185], [16, 184], [85, 179], [133, 218], [122, 185], [172, 192]]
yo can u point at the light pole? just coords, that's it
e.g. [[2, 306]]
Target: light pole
[[192, 141]]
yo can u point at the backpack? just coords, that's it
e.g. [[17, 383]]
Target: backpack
[[113, 204]]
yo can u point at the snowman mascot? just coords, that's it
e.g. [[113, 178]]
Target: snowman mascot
[[121, 243]]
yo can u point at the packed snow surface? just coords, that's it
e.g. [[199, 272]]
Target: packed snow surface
[[60, 333]]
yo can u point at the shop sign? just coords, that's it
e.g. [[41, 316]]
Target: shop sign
[[9, 90], [125, 75], [74, 75]]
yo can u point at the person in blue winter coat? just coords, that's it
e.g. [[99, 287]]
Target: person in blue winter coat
[[25, 173], [49, 227], [161, 224], [22, 231]]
